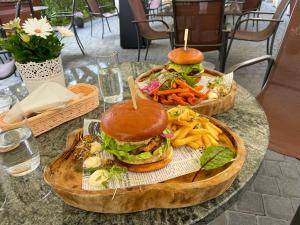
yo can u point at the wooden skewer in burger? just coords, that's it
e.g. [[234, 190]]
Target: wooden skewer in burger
[[135, 132]]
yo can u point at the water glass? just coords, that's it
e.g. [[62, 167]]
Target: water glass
[[19, 154], [110, 78], [7, 100]]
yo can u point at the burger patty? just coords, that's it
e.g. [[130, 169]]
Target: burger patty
[[150, 147]]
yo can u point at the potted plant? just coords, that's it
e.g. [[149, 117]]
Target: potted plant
[[36, 49], [78, 17]]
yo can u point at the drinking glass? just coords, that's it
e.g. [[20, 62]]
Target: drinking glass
[[7, 100], [110, 78], [19, 153]]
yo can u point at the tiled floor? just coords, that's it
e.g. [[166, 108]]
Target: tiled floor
[[274, 195]]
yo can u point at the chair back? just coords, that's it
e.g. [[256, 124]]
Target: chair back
[[8, 11], [251, 5], [138, 12], [281, 96], [281, 8], [93, 7], [203, 18]]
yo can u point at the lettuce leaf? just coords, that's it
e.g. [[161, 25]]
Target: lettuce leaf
[[110, 143], [185, 69], [122, 152]]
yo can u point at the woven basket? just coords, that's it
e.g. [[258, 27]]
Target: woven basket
[[49, 119], [209, 108]]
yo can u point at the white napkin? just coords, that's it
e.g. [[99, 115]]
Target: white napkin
[[48, 96]]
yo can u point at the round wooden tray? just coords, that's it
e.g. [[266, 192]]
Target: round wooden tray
[[60, 174], [210, 108]]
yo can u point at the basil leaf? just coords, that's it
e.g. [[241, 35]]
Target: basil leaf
[[215, 157]]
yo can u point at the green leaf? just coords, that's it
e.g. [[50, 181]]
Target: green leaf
[[186, 69], [110, 143], [215, 157]]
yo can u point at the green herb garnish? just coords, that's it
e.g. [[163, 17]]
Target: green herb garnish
[[215, 157]]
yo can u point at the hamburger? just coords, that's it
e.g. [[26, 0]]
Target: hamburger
[[186, 62], [139, 139]]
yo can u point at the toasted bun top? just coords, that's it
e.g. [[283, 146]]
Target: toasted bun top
[[124, 123], [188, 56]]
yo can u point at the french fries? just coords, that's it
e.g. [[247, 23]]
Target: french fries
[[180, 93], [191, 129]]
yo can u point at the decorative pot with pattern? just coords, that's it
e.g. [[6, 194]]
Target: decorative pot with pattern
[[34, 74]]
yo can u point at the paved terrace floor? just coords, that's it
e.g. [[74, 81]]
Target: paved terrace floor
[[274, 195]]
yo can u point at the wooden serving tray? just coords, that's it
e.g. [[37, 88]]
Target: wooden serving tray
[[60, 174], [210, 108]]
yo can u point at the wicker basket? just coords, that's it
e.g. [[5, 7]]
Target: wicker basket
[[49, 119], [209, 108]]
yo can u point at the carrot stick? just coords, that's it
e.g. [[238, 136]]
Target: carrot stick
[[186, 94], [155, 98], [192, 101], [198, 88], [154, 91], [167, 102], [185, 85], [178, 99], [172, 91]]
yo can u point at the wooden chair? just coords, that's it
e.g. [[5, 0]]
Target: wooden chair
[[206, 24], [281, 93], [267, 34], [143, 28], [12, 9], [97, 10], [70, 15]]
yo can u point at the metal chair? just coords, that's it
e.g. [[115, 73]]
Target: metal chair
[[158, 8], [267, 33], [280, 93], [238, 7], [7, 68], [206, 24], [97, 10], [71, 16], [143, 28]]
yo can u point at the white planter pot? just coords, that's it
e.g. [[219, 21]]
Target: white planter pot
[[34, 74]]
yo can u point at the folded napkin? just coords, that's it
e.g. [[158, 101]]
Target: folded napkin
[[48, 96]]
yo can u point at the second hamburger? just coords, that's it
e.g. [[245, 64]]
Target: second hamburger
[[186, 62]]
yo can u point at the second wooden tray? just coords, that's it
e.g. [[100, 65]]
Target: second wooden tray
[[210, 108]]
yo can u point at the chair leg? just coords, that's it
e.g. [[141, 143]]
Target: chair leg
[[268, 42], [91, 18], [102, 27], [228, 48], [108, 24], [257, 22], [246, 26], [77, 39], [139, 47], [148, 43], [272, 44]]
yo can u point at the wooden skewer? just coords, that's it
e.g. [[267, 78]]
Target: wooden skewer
[[186, 34], [132, 91]]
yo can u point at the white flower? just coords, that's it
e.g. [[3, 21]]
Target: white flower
[[12, 24], [65, 32], [40, 28]]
